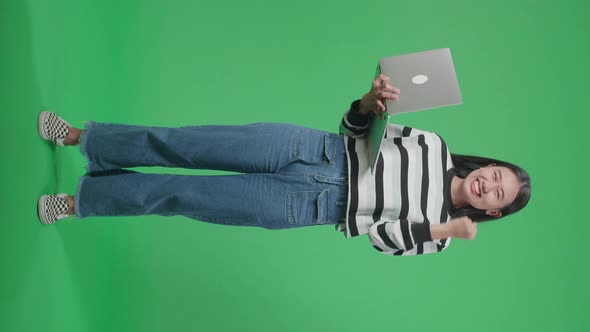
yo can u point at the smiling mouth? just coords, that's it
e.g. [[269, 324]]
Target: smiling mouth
[[476, 188]]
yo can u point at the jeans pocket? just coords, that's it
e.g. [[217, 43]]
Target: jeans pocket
[[339, 187], [313, 146], [307, 207]]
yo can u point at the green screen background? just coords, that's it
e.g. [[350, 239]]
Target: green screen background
[[523, 72]]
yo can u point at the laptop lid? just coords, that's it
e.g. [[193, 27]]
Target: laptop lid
[[425, 79]]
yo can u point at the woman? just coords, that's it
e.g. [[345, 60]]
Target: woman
[[418, 198]]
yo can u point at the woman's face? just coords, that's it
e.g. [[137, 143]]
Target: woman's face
[[491, 188]]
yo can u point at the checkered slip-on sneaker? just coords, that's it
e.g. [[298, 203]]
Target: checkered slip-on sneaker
[[53, 128], [51, 208]]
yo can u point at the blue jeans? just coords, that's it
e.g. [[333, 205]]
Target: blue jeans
[[293, 176]]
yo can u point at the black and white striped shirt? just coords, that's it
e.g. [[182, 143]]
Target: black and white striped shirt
[[408, 191]]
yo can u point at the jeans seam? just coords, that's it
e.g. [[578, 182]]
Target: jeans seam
[[327, 148], [248, 221], [83, 141], [319, 206], [296, 134], [77, 197]]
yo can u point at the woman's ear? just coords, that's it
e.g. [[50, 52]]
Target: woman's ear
[[494, 213]]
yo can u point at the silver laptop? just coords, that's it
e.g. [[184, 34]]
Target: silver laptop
[[426, 80]]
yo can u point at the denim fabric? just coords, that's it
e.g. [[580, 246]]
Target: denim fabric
[[293, 176]]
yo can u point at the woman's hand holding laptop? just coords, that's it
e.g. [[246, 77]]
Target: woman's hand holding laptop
[[372, 101]]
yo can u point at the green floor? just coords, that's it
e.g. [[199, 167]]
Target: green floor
[[523, 71]]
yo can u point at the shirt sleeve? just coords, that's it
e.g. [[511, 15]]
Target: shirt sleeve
[[400, 237], [354, 124]]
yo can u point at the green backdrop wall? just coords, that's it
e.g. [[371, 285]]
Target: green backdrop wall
[[523, 71]]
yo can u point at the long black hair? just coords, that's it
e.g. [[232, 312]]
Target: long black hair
[[466, 164]]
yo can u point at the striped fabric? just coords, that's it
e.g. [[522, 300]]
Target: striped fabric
[[409, 190]]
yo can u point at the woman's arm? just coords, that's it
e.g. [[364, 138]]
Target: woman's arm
[[397, 237], [401, 237], [355, 121], [440, 231], [374, 100], [462, 227]]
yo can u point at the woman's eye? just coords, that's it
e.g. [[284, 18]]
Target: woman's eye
[[497, 194], [495, 176]]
